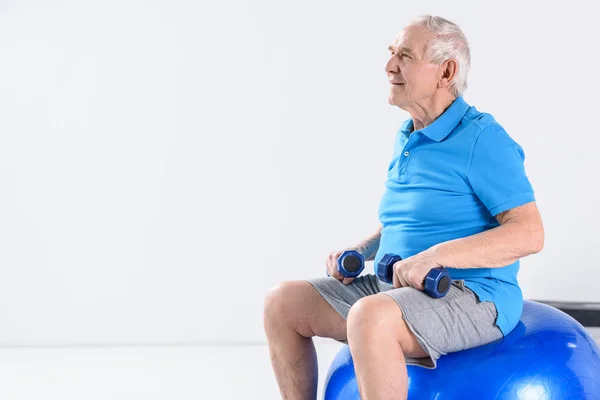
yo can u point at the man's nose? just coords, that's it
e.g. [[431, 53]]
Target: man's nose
[[392, 66]]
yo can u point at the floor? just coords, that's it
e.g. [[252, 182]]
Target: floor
[[148, 373]]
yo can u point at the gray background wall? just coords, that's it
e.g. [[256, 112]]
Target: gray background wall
[[164, 163]]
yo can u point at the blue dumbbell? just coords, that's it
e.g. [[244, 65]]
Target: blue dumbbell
[[437, 282], [350, 263]]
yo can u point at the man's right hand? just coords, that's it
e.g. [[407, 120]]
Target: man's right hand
[[331, 266]]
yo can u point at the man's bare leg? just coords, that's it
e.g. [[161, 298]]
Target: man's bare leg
[[294, 313], [379, 340]]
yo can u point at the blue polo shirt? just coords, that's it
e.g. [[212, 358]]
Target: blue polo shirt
[[448, 181]]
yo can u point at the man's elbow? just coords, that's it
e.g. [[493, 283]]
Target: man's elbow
[[537, 240]]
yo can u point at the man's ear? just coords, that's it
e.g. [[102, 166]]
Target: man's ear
[[447, 73]]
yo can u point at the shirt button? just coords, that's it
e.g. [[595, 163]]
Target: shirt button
[[406, 153]]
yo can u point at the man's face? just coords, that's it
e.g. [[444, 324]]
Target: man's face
[[413, 79]]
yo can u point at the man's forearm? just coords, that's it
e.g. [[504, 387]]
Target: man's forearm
[[368, 247], [493, 248]]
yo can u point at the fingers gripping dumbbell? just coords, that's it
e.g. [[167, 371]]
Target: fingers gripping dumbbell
[[437, 282]]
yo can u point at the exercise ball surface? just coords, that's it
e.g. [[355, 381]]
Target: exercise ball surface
[[548, 356]]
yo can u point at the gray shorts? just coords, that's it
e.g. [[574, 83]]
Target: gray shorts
[[457, 321]]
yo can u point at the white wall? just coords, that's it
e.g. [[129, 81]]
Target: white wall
[[164, 163]]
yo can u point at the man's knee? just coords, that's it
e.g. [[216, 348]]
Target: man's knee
[[283, 306], [299, 306], [369, 316], [379, 316], [276, 301]]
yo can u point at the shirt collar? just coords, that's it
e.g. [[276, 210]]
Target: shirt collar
[[439, 129]]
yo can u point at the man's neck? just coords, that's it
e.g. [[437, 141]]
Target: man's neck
[[425, 113]]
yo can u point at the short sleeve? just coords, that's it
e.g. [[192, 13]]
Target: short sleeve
[[497, 171]]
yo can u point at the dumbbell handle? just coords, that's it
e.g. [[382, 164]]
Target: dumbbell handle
[[437, 282]]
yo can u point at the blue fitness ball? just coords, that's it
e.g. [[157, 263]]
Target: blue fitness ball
[[548, 355]]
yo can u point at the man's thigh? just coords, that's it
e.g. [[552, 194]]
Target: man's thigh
[[455, 322], [341, 298]]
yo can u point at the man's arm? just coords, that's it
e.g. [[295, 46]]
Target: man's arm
[[368, 247], [521, 233]]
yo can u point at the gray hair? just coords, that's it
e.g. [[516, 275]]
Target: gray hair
[[448, 42]]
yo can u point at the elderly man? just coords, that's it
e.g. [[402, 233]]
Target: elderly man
[[457, 196]]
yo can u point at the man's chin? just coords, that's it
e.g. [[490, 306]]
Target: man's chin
[[394, 101]]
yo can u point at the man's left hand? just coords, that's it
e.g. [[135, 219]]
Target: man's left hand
[[413, 270]]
